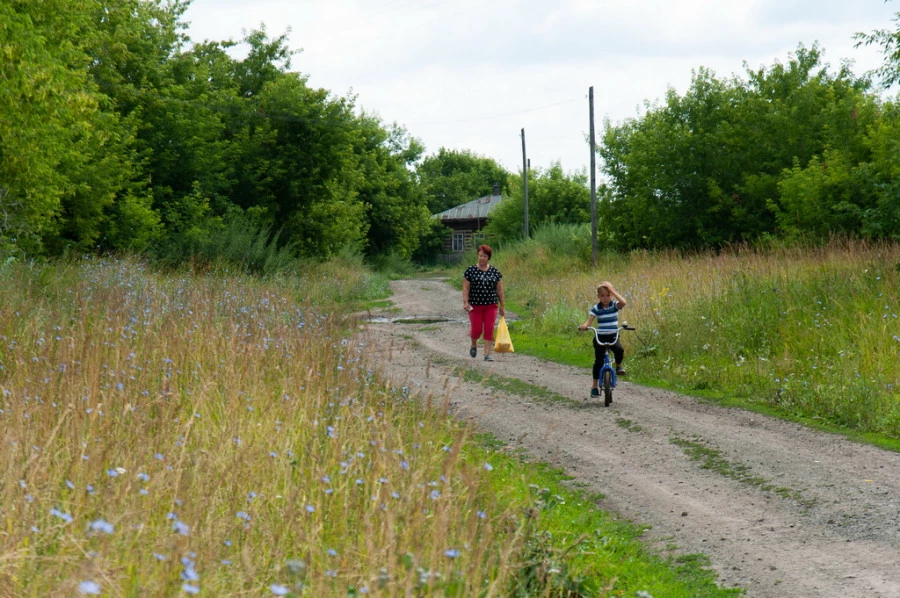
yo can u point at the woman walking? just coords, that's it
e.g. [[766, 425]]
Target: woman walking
[[482, 299]]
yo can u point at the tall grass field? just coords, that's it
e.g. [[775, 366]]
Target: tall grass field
[[169, 433], [809, 333]]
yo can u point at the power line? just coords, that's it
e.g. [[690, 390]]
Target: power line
[[496, 116]]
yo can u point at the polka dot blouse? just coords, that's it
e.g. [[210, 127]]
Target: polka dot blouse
[[483, 285]]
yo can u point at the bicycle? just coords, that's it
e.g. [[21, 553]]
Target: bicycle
[[607, 377]]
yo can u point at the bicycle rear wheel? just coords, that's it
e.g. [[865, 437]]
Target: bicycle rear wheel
[[606, 382]]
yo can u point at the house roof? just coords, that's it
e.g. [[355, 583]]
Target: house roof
[[477, 208]]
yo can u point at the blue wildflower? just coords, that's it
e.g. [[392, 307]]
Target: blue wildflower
[[189, 573], [64, 516], [100, 525], [89, 587]]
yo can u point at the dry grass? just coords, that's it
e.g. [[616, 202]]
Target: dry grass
[[167, 434], [810, 331]]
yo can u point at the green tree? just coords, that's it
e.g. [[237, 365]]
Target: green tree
[[266, 62], [704, 168], [882, 174], [294, 162], [396, 212], [451, 178], [42, 97], [117, 133], [889, 41], [65, 159], [553, 197], [798, 113], [178, 102], [661, 168], [821, 199]]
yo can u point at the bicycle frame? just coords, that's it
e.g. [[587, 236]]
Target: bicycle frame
[[606, 378], [607, 365]]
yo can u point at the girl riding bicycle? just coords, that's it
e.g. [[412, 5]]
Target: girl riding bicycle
[[606, 311]]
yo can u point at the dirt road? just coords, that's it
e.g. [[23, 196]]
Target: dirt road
[[810, 515]]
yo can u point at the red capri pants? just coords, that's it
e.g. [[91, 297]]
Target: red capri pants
[[481, 321]]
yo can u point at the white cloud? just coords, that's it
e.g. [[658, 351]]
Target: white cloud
[[468, 74]]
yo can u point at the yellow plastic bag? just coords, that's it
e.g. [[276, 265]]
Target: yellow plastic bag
[[503, 344]]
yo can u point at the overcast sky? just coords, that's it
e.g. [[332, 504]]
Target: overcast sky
[[471, 74]]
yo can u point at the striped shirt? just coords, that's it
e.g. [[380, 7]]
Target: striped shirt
[[607, 317]]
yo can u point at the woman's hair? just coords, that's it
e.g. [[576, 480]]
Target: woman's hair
[[486, 250]]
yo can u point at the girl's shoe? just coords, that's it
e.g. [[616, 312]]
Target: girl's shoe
[[473, 352], [595, 392]]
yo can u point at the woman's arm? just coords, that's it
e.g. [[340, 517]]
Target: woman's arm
[[466, 294], [500, 296]]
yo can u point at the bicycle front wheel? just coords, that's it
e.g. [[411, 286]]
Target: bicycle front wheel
[[607, 387]]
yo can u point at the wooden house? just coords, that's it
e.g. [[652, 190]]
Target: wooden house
[[466, 222]]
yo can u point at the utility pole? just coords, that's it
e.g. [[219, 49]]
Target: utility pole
[[595, 249], [525, 163]]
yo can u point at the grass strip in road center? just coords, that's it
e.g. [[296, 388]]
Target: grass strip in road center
[[713, 460]]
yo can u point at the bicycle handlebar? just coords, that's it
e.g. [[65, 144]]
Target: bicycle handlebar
[[597, 331], [622, 327]]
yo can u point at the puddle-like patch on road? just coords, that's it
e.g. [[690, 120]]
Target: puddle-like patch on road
[[411, 320]]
